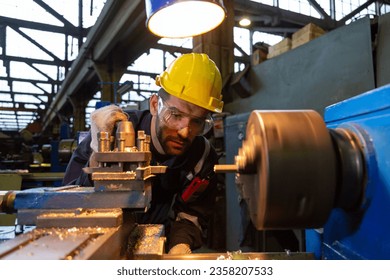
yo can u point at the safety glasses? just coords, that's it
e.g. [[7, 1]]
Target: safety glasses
[[176, 119]]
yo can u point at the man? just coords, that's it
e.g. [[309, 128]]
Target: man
[[183, 197]]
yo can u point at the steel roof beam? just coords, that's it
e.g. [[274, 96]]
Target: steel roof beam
[[119, 36], [19, 23]]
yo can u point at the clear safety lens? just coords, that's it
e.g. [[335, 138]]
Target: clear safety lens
[[176, 119]]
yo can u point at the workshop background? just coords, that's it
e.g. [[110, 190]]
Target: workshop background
[[62, 59]]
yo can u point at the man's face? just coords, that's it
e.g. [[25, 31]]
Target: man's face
[[177, 123]]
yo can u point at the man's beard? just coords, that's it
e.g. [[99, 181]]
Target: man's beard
[[172, 145]]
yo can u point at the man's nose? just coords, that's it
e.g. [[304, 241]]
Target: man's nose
[[184, 132]]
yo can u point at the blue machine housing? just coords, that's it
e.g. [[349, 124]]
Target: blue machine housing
[[362, 233]]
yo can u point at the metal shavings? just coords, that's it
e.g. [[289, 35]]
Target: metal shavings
[[146, 240], [235, 255], [73, 229]]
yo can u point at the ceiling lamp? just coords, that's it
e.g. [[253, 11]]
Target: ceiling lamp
[[183, 18], [244, 22]]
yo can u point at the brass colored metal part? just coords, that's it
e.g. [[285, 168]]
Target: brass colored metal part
[[225, 168], [125, 136], [7, 202], [66, 147]]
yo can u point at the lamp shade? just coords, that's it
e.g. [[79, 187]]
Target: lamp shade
[[183, 18]]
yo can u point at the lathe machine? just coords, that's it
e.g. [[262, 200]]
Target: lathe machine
[[332, 178], [78, 223], [294, 171], [74, 222]]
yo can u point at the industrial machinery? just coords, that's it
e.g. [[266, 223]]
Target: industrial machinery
[[74, 222], [295, 171]]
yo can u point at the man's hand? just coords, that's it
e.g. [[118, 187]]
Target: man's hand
[[104, 119], [180, 249]]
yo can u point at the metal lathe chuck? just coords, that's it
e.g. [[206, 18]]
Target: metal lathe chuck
[[292, 170]]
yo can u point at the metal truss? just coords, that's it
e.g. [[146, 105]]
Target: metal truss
[[51, 96]]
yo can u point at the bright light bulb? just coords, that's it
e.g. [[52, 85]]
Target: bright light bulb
[[186, 19], [245, 22]]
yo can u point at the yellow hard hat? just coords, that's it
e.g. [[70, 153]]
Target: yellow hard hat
[[195, 78]]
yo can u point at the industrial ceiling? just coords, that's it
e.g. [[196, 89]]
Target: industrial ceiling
[[112, 43]]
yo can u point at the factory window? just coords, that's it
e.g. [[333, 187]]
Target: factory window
[[345, 7], [299, 6], [31, 76], [342, 8], [384, 9]]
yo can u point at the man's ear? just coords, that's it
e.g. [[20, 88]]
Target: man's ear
[[153, 104]]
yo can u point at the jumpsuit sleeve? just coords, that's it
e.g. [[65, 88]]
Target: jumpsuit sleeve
[[74, 174], [193, 214]]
